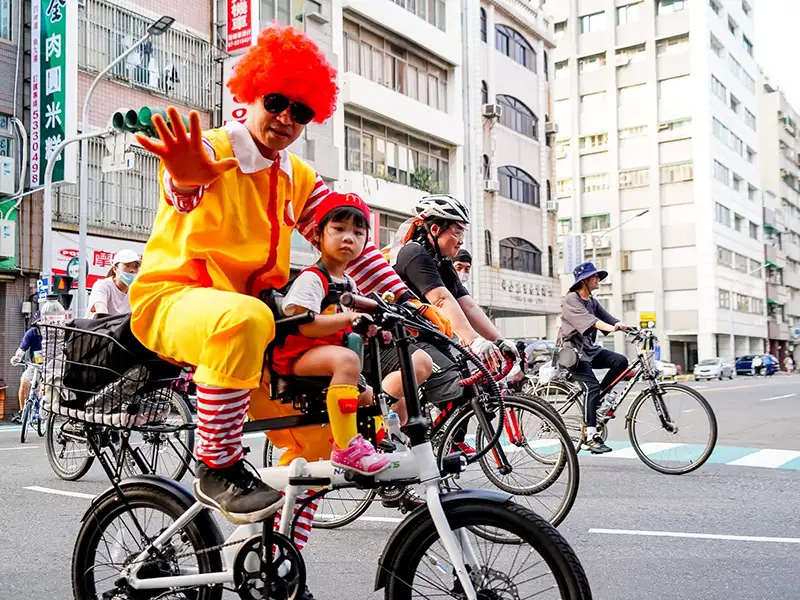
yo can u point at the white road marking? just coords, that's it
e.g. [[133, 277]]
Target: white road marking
[[777, 397], [702, 536], [19, 448], [44, 490], [373, 519], [771, 459], [648, 448]]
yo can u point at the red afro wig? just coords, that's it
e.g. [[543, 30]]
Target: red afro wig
[[286, 61]]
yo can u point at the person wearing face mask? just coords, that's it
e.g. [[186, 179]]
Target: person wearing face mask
[[110, 295], [463, 265]]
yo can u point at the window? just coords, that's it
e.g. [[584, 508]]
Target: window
[[718, 89], [740, 263], [591, 63], [411, 73], [518, 117], [741, 74], [628, 303], [735, 104], [432, 11], [5, 19], [484, 92], [520, 255], [632, 54], [593, 102], [757, 306], [564, 226], [595, 222], [560, 29], [724, 299], [176, 64], [562, 69], [594, 183], [720, 131], [632, 94], [676, 173], [724, 257], [629, 13], [674, 89], [738, 220], [593, 143], [679, 43], [753, 230], [634, 179], [391, 154], [545, 62], [721, 173], [732, 26], [675, 126], [629, 132], [563, 188], [484, 33], [511, 43], [716, 46], [736, 144], [516, 184], [722, 214], [389, 224], [746, 8], [750, 119], [748, 45], [714, 4], [592, 22], [669, 6], [487, 171], [754, 268], [752, 192], [562, 148], [751, 154], [487, 254]]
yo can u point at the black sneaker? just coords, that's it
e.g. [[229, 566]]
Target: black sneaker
[[405, 499], [237, 492], [596, 445]]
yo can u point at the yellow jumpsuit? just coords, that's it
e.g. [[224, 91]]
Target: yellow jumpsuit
[[195, 299]]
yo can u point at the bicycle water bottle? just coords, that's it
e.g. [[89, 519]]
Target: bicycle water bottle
[[606, 406], [393, 425], [52, 312]]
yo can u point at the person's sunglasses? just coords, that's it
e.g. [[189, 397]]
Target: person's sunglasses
[[277, 103]]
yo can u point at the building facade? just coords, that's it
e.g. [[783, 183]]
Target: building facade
[[657, 166], [780, 182]]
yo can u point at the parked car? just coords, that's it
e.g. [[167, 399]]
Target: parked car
[[744, 364], [667, 369], [713, 368]]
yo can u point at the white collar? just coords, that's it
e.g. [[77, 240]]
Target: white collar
[[246, 151]]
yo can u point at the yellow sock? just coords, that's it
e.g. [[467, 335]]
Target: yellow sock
[[342, 403]]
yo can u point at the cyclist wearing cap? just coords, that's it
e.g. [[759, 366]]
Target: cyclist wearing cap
[[29, 351], [110, 295], [463, 265], [422, 255]]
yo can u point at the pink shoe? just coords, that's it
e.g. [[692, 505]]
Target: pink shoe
[[359, 456]]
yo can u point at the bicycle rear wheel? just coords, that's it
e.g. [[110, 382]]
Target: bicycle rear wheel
[[686, 411], [67, 450]]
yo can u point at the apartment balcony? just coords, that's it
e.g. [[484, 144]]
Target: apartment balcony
[[515, 294], [792, 308], [777, 331], [777, 294]]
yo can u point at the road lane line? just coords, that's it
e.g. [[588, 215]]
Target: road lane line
[[648, 448], [771, 459], [702, 536], [44, 490], [777, 397], [19, 448]]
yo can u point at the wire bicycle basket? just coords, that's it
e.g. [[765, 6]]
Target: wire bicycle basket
[[91, 377]]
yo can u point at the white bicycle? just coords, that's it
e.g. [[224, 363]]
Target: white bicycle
[[147, 537]]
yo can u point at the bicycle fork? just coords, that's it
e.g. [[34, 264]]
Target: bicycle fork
[[499, 455]]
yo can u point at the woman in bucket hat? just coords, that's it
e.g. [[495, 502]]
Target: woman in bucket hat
[[581, 317]]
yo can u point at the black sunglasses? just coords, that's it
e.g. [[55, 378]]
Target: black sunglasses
[[277, 103]]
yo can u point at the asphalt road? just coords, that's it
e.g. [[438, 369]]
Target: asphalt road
[[727, 531]]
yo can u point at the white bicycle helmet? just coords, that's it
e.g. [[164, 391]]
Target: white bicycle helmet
[[442, 206]]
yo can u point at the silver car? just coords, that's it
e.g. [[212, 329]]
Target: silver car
[[713, 368]]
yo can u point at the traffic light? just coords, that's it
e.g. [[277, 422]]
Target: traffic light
[[141, 121], [62, 287]]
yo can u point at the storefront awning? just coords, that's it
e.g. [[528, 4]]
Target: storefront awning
[[771, 227], [772, 265], [771, 301]]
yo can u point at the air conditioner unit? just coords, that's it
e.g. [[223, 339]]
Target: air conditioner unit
[[491, 185], [552, 206], [7, 176], [550, 128], [492, 111], [623, 60], [625, 260], [8, 238]]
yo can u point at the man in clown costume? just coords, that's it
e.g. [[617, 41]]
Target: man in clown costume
[[231, 198]]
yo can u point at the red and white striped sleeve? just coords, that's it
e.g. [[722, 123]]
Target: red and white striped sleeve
[[175, 198], [371, 271]]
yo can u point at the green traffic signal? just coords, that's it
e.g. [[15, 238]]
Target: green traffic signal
[[142, 121]]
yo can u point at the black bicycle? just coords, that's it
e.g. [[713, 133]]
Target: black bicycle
[[657, 417], [147, 537]]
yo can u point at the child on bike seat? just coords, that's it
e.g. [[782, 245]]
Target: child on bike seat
[[342, 226]]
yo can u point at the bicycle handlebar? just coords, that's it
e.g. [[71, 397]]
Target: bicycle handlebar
[[359, 303]]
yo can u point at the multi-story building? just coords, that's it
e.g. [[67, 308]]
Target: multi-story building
[[513, 262], [657, 165], [780, 182]]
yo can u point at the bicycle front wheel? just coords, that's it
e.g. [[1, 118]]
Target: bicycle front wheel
[[41, 423], [547, 568], [684, 440], [26, 417], [67, 449]]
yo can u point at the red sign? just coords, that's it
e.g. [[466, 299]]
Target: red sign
[[240, 33]]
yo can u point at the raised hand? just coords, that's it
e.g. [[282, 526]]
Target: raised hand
[[183, 154]]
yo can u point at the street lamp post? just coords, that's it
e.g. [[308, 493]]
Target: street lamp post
[[157, 28], [595, 240]]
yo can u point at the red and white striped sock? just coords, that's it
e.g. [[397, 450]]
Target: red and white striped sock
[[220, 418], [304, 522]]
